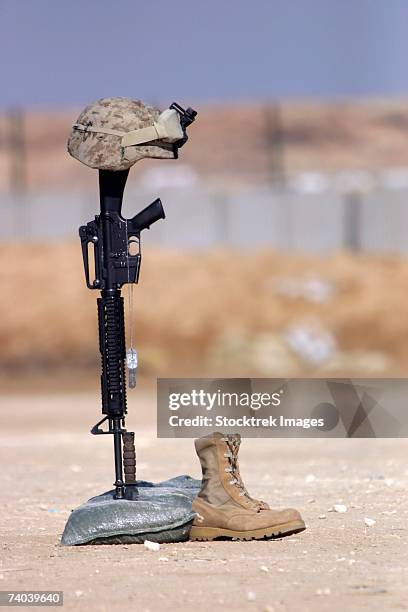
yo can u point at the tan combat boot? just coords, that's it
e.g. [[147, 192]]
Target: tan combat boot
[[223, 506]]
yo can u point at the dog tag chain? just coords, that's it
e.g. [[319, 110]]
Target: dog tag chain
[[131, 353]]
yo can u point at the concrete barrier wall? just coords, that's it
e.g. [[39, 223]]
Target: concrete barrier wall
[[197, 218]]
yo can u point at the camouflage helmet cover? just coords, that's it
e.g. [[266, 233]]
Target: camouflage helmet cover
[[103, 150]]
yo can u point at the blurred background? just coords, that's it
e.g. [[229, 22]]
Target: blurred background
[[284, 250]]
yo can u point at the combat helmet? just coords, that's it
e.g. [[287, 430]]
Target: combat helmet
[[115, 133]]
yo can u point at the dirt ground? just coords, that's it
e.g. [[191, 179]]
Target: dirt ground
[[50, 464], [222, 315]]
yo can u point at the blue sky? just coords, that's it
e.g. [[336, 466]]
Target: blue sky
[[70, 52]]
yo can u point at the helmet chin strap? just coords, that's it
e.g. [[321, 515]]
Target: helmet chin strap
[[167, 128]]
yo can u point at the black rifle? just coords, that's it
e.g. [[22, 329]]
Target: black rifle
[[116, 255], [114, 241]]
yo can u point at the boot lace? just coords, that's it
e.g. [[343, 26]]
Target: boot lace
[[233, 468]]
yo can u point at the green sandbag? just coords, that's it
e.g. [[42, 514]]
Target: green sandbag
[[161, 512]]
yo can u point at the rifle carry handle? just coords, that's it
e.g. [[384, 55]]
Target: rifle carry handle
[[89, 234]]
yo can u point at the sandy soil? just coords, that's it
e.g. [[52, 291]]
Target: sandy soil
[[220, 315], [50, 464]]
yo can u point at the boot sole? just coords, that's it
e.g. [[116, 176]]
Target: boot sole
[[211, 533]]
